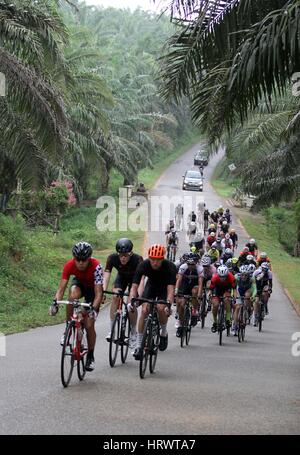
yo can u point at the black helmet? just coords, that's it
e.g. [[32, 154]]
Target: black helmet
[[82, 250], [124, 246]]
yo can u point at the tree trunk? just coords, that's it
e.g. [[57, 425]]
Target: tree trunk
[[104, 179]]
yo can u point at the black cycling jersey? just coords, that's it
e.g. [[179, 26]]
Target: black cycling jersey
[[161, 278], [205, 214], [127, 270]]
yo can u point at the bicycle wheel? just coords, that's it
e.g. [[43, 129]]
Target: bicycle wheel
[[145, 347], [220, 322], [154, 347], [114, 341], [188, 324], [203, 310], [244, 319], [124, 337], [82, 346], [240, 322], [67, 355], [260, 316]]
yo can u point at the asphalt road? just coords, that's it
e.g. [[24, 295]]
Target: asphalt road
[[250, 388]]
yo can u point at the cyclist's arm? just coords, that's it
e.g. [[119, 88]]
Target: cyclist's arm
[[253, 289], [200, 285], [98, 288], [133, 291], [61, 289], [170, 292], [106, 280], [179, 281]]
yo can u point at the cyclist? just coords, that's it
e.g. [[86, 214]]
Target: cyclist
[[208, 271], [246, 286], [220, 210], [206, 215], [234, 238], [224, 226], [213, 253], [264, 284], [199, 241], [87, 283], [219, 245], [161, 275], [227, 243], [187, 283], [211, 238], [125, 261], [243, 256], [228, 216], [235, 268], [253, 249], [169, 226], [222, 284], [172, 241], [250, 259], [212, 228], [263, 257], [227, 254], [214, 216]]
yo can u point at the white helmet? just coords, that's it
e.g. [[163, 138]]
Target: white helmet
[[265, 266], [263, 255], [205, 261], [251, 268], [222, 271], [252, 241], [244, 269], [249, 257], [228, 252], [224, 222]]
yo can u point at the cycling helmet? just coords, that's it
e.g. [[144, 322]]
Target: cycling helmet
[[124, 246], [245, 249], [82, 250], [217, 264], [224, 222], [228, 252], [205, 261], [184, 257], [235, 260], [227, 210], [252, 241], [251, 268], [193, 249], [263, 255], [192, 259], [227, 236], [218, 240], [156, 252], [212, 234], [265, 266], [229, 263], [222, 271], [249, 257], [214, 245], [244, 269], [212, 226]]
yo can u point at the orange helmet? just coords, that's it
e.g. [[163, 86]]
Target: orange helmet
[[156, 252]]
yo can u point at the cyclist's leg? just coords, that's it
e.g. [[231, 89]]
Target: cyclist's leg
[[256, 307], [194, 305], [227, 294], [75, 293], [215, 306]]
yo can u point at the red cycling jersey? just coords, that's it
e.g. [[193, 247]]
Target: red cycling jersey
[[223, 285], [92, 276]]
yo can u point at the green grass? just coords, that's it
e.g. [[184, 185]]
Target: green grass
[[30, 279], [286, 267], [221, 181]]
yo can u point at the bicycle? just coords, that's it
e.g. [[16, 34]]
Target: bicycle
[[187, 320], [261, 313], [171, 254], [242, 320], [151, 336], [75, 343], [203, 308], [221, 321], [121, 330]]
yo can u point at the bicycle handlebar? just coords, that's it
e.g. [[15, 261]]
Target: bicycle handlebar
[[119, 294], [74, 303], [151, 301]]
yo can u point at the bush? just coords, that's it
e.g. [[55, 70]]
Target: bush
[[12, 236], [282, 223]]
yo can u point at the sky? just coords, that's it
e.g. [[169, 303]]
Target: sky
[[132, 4]]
